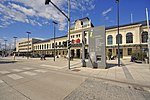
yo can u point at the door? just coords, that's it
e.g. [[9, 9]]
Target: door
[[78, 53], [121, 52]]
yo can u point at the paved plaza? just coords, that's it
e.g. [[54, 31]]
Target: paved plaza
[[33, 79]]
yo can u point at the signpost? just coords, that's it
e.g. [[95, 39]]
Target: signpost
[[97, 48]]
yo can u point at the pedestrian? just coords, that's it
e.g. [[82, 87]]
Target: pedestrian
[[14, 56], [109, 55]]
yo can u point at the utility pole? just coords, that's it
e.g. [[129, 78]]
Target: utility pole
[[54, 23], [5, 47], [68, 18], [118, 35], [148, 34], [15, 42], [28, 45]]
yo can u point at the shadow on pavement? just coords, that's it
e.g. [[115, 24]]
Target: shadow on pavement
[[110, 65], [7, 62]]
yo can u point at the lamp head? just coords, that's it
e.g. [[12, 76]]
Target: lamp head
[[55, 22], [29, 32], [117, 1], [47, 2]]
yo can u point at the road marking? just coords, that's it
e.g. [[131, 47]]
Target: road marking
[[42, 71], [50, 66], [4, 72], [15, 76], [17, 70], [1, 81], [29, 73], [27, 68]]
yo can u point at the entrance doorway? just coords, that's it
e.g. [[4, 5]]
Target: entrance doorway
[[72, 53], [78, 53], [121, 52]]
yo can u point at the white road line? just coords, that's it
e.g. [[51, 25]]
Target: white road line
[[15, 76], [1, 81], [27, 68], [17, 70], [50, 66], [4, 72], [29, 73], [42, 71]]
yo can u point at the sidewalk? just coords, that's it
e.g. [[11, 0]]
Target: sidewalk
[[129, 72]]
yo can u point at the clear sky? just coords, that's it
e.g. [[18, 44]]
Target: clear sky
[[19, 16]]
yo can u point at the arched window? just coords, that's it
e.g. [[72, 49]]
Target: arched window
[[129, 37], [120, 38], [144, 36], [109, 39]]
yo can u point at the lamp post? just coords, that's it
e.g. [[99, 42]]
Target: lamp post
[[5, 47], [14, 46], [118, 35], [68, 18], [15, 41], [28, 45], [54, 23]]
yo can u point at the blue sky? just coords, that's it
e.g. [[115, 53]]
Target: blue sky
[[19, 16]]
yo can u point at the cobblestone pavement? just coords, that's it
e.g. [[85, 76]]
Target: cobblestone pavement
[[95, 89]]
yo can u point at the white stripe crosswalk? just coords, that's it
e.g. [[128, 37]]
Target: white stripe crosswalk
[[1, 81], [15, 76], [29, 73], [27, 68], [17, 70], [4, 72], [42, 71]]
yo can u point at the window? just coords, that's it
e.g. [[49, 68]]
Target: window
[[110, 39], [129, 37], [85, 41], [144, 36], [47, 46], [52, 45], [76, 36], [129, 51], [40, 47], [120, 38], [59, 43]]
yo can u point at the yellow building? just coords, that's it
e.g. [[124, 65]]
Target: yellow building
[[25, 46], [47, 46], [133, 38]]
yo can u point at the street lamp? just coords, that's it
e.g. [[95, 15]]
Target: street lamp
[[5, 47], [28, 45], [15, 41], [68, 18], [54, 23], [118, 35]]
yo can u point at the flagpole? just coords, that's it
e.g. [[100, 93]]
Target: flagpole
[[148, 34]]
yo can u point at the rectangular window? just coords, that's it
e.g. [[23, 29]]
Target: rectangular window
[[59, 43], [129, 51], [76, 36], [52, 45], [79, 35]]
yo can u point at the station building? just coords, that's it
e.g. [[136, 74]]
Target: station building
[[133, 38]]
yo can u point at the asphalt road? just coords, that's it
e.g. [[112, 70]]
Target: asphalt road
[[48, 80]]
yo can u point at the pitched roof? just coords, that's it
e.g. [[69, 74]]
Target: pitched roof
[[143, 23]]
